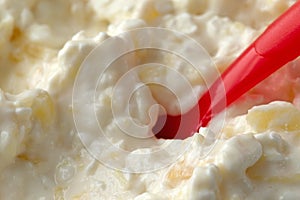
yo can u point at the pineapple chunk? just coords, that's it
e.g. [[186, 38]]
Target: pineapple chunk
[[276, 116]]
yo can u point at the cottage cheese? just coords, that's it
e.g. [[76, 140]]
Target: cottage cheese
[[44, 43]]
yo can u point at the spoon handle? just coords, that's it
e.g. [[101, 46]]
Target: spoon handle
[[277, 45]]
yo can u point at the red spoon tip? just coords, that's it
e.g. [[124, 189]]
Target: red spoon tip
[[186, 125]]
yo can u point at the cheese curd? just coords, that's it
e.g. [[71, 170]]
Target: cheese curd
[[44, 43]]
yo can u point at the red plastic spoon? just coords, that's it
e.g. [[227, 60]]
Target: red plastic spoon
[[279, 44]]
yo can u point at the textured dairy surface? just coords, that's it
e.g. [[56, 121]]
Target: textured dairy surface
[[42, 45]]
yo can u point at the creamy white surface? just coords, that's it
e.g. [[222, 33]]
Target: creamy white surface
[[43, 43]]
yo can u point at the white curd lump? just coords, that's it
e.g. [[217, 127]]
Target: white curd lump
[[42, 46]]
